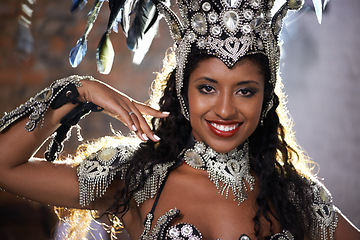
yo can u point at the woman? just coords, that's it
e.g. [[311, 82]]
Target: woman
[[223, 125]]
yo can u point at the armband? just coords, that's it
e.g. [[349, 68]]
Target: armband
[[59, 93]]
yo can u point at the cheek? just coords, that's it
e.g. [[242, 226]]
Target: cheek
[[253, 109], [197, 103]]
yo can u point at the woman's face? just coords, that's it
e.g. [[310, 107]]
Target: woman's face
[[225, 104]]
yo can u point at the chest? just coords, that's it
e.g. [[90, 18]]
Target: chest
[[200, 204]]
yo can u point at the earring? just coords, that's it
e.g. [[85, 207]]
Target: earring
[[269, 105]]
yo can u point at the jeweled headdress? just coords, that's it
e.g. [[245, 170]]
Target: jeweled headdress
[[227, 29]]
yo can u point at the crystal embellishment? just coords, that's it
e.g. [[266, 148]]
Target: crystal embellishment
[[228, 171], [248, 14], [231, 20], [216, 30], [212, 17], [198, 23], [206, 6]]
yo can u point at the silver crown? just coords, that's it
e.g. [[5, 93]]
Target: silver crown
[[227, 29]]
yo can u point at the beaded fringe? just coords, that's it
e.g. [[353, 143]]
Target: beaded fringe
[[153, 183], [97, 171]]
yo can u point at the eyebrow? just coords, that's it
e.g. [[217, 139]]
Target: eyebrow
[[238, 83]]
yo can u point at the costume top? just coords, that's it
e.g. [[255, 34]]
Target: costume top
[[96, 172]]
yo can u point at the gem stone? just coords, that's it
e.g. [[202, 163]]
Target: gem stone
[[35, 116], [186, 230], [174, 232], [194, 158], [248, 14], [29, 125], [259, 19], [106, 154], [198, 23], [201, 43], [260, 44], [264, 34], [174, 28], [191, 36], [44, 95], [244, 237], [199, 147], [206, 6], [255, 3], [246, 28], [216, 30], [195, 5], [231, 20], [212, 17]]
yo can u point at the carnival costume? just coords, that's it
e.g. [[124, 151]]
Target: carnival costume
[[226, 29]]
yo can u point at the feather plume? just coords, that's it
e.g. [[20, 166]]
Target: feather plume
[[138, 25], [78, 4], [116, 7]]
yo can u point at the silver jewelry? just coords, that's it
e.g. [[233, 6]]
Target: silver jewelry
[[96, 172], [324, 213], [153, 183], [131, 112], [226, 170], [38, 105], [227, 30], [268, 107]]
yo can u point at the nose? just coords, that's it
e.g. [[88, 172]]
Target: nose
[[225, 106]]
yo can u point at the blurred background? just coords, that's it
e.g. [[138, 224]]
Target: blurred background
[[320, 70]]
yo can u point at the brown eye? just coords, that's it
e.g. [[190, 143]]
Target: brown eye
[[246, 92], [206, 89]]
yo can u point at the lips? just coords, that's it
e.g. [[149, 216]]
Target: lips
[[224, 129]]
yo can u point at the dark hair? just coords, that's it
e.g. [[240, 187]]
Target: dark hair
[[267, 149]]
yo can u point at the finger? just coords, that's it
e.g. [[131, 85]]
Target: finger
[[136, 126], [122, 114], [145, 128], [149, 110]]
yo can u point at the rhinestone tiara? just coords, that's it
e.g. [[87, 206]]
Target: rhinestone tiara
[[226, 29]]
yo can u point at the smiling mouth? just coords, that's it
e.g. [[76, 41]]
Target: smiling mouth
[[224, 130]]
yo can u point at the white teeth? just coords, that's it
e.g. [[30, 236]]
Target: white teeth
[[224, 128]]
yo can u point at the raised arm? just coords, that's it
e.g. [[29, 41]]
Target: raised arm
[[54, 183]]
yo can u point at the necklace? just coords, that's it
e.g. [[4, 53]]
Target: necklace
[[226, 170]]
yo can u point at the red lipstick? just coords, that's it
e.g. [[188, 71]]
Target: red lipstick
[[224, 129]]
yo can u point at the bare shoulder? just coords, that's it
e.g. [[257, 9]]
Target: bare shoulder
[[346, 229]]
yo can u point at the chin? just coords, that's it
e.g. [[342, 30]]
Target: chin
[[224, 146]]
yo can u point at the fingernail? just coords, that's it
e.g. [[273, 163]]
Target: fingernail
[[167, 113], [144, 136], [156, 137], [134, 128]]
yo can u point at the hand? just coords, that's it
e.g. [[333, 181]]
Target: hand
[[121, 107]]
